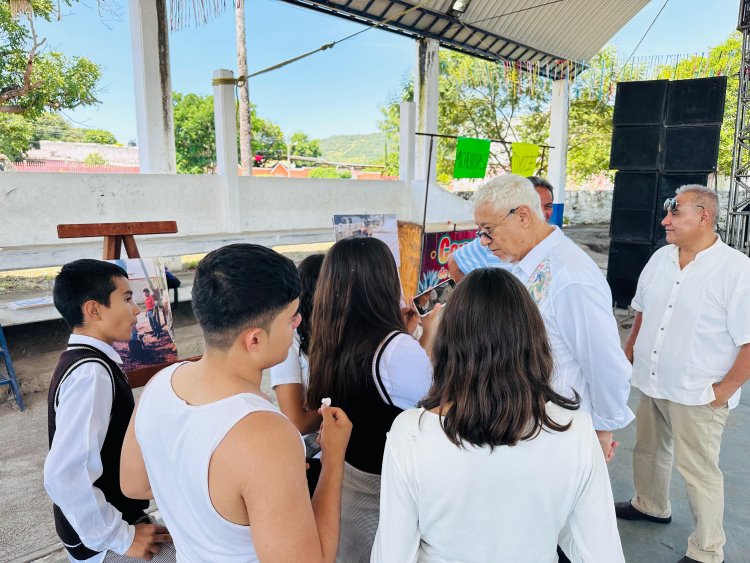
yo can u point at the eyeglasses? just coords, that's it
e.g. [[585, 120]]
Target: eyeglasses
[[671, 203], [488, 234]]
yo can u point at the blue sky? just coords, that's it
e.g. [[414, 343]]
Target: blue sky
[[337, 91]]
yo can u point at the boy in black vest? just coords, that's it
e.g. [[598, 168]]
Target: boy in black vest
[[89, 406]]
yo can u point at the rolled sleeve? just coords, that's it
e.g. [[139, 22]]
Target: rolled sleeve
[[585, 322], [74, 461]]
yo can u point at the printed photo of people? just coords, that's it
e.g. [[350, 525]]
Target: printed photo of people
[[151, 339]]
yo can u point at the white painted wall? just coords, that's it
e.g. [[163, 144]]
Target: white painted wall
[[271, 210]]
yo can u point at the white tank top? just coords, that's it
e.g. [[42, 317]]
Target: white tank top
[[177, 441]]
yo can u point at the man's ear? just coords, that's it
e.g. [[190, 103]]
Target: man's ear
[[92, 310], [524, 214], [252, 338]]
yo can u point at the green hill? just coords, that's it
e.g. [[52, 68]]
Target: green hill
[[359, 149]]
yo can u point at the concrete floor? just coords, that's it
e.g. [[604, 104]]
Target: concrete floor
[[27, 530]]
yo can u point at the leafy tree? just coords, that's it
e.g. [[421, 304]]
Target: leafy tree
[[477, 99], [15, 135], [99, 136], [94, 158], [302, 145], [195, 136], [329, 172], [32, 81], [54, 127], [194, 132]]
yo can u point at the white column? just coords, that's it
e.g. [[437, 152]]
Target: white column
[[407, 128], [153, 87], [558, 139], [225, 119], [426, 90]]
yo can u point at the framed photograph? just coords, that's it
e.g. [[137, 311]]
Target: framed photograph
[[381, 226], [152, 339]]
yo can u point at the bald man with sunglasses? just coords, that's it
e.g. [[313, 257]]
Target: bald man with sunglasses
[[690, 350]]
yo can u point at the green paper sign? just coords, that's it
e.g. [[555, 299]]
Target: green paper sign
[[523, 160], [471, 158]]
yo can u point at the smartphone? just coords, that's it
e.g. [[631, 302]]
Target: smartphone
[[311, 446], [426, 301]]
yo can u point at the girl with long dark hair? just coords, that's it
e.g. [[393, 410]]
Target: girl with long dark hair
[[495, 466], [362, 358]]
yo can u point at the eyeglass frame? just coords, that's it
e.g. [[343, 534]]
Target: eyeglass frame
[[671, 203], [482, 233]]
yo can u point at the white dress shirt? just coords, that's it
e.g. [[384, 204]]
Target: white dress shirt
[[576, 305], [74, 461], [694, 321], [442, 503]]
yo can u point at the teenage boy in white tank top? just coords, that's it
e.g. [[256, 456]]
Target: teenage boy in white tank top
[[226, 468]]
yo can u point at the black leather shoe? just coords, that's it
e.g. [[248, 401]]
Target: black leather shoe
[[687, 559], [627, 511]]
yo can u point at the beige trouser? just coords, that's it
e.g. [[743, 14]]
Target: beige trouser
[[692, 434]]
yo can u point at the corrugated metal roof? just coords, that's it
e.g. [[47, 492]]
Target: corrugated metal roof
[[550, 32]]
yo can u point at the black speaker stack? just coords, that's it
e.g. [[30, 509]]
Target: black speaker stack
[[665, 135]]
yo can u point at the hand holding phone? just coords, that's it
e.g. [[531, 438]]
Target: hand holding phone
[[427, 300]]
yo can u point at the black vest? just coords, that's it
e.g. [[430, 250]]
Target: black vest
[[122, 409], [372, 415]]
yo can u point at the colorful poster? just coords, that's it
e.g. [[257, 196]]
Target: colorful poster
[[381, 226], [471, 158], [435, 251], [523, 159], [152, 339]]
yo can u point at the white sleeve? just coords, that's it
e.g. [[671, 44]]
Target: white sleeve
[[406, 371], [290, 370], [74, 460], [590, 534], [583, 314], [397, 538]]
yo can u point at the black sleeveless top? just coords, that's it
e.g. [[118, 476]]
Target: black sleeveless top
[[122, 408], [372, 413]]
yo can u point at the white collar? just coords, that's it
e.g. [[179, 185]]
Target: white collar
[[717, 244], [96, 343], [529, 262]]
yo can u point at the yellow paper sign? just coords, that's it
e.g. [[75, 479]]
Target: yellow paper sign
[[523, 159]]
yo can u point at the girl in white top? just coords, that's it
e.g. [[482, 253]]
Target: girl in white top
[[496, 466]]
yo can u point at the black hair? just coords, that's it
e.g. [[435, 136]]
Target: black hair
[[309, 271], [356, 306], [540, 182], [84, 280], [241, 286]]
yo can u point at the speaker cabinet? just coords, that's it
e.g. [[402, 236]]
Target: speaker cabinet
[[626, 261], [690, 148], [635, 148], [633, 205], [640, 103], [698, 101]]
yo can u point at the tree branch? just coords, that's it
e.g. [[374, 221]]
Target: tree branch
[[16, 91]]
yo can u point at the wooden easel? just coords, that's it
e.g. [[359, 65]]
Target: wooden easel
[[117, 235]]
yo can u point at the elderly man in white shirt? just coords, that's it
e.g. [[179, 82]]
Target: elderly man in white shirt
[[572, 295], [690, 348]]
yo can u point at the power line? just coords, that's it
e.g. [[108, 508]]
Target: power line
[[642, 38]]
